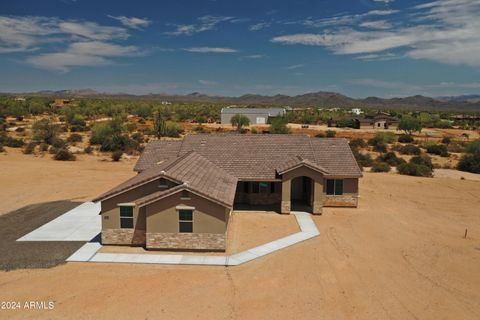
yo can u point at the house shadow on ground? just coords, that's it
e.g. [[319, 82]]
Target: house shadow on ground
[[43, 254]]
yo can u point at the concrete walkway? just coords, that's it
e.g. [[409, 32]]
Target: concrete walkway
[[82, 223], [88, 253]]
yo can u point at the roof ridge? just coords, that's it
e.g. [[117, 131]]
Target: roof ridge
[[313, 150]]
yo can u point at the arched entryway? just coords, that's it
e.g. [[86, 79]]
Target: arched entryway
[[302, 194]]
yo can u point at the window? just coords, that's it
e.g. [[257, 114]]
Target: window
[[335, 187], [126, 217], [185, 195], [245, 187], [185, 221], [261, 187]]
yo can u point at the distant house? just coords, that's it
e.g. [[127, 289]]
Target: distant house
[[166, 103], [356, 111], [185, 190], [255, 115], [379, 120], [20, 99], [60, 103]]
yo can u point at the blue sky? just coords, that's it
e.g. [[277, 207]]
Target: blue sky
[[359, 48]]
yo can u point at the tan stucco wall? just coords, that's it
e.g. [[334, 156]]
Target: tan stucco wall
[[111, 211], [208, 216]]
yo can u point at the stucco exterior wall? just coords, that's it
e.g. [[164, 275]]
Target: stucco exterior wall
[[209, 224]]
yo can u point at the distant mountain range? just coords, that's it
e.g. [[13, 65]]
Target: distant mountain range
[[319, 99]]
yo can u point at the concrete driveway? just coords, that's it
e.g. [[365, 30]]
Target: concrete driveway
[[82, 223]]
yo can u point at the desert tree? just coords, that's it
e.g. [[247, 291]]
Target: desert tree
[[239, 121], [410, 125]]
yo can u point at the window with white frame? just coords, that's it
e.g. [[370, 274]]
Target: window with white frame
[[185, 220], [126, 217]]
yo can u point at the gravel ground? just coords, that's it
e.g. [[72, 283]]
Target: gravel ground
[[21, 255]]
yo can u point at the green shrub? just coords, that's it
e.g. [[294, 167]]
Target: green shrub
[[279, 126], [438, 149], [412, 169], [64, 155], [75, 137], [172, 129], [137, 136], [52, 150], [100, 132], [446, 140], [380, 147], [363, 160], [29, 148], [13, 143], [117, 155], [470, 162], [320, 135], [330, 133], [199, 129], [45, 131], [43, 147], [391, 159], [473, 147], [254, 131], [357, 143], [381, 167], [410, 149], [58, 143], [88, 150], [119, 142], [405, 138], [423, 160], [455, 147]]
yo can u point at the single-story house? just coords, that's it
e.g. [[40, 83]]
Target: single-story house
[[255, 115], [380, 120], [185, 190]]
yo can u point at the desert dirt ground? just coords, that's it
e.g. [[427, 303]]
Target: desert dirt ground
[[401, 255], [29, 179]]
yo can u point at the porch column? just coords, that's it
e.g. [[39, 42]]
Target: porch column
[[286, 193], [317, 198]]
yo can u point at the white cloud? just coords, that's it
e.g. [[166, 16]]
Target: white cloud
[[84, 43], [211, 50], [254, 56], [259, 26], [132, 22], [295, 66], [92, 53], [346, 19], [205, 23], [92, 30], [378, 57], [384, 1], [444, 31], [378, 24]]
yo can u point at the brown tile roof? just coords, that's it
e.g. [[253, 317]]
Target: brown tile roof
[[158, 150], [256, 157], [298, 161], [193, 171]]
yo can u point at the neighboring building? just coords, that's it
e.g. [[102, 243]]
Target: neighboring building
[[20, 99], [356, 111], [255, 115], [186, 189], [60, 103], [380, 120]]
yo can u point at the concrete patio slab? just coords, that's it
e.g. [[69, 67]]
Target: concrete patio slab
[[86, 252], [82, 223]]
